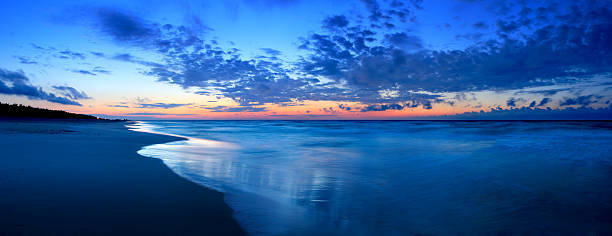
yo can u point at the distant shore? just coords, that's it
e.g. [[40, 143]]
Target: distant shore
[[85, 177]]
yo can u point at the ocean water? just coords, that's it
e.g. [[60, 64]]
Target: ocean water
[[399, 177]]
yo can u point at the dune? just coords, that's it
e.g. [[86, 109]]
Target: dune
[[85, 177]]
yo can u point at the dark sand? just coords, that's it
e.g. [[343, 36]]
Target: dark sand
[[85, 177]]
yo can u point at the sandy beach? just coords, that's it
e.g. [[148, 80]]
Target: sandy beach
[[85, 177]]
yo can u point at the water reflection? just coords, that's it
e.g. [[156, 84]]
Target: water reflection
[[398, 178]]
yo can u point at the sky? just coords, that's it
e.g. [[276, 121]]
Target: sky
[[297, 59]]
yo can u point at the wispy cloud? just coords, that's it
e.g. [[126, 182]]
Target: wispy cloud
[[71, 92], [155, 114], [162, 105], [236, 109]]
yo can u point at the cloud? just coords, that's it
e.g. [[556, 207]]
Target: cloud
[[581, 100], [271, 52], [25, 60], [373, 8], [481, 25], [191, 62], [334, 22], [124, 57], [16, 83], [545, 57], [66, 54], [404, 41], [546, 92], [507, 27], [344, 107], [544, 101], [236, 109], [163, 105], [84, 72], [96, 69], [542, 58], [13, 76], [101, 70], [511, 102], [98, 54], [154, 114], [357, 62], [383, 107], [123, 26], [72, 93], [526, 113], [305, 116]]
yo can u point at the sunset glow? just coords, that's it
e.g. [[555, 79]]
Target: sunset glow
[[306, 59]]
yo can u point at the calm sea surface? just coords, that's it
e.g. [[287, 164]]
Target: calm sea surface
[[399, 177]]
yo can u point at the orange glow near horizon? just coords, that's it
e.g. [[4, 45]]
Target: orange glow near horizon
[[302, 110]]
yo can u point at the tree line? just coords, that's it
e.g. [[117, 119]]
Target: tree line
[[18, 110]]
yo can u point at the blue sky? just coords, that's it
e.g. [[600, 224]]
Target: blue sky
[[263, 59]]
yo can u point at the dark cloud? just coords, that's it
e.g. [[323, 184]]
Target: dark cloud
[[544, 101], [580, 100], [548, 56], [404, 41], [71, 92], [511, 102], [127, 28], [25, 60], [101, 70], [190, 61], [124, 26], [470, 36], [526, 113], [126, 57], [13, 76], [374, 9], [93, 72], [426, 103], [480, 25], [532, 104], [84, 72], [163, 105], [98, 54], [387, 12], [36, 46], [16, 83], [382, 107], [357, 62], [236, 109], [546, 92], [154, 114], [271, 52], [305, 116], [66, 54], [507, 27], [344, 107], [334, 22], [123, 57]]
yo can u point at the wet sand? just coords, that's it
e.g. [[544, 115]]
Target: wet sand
[[85, 177]]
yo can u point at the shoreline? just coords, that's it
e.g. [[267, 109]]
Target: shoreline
[[69, 177]]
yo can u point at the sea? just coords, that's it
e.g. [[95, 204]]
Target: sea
[[399, 177]]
